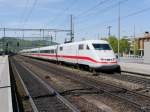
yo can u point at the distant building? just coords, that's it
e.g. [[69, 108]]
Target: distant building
[[141, 40], [146, 52]]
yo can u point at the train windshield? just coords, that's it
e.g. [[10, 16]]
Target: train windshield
[[101, 46]]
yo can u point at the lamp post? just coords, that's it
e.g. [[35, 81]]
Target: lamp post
[[109, 32], [119, 31]]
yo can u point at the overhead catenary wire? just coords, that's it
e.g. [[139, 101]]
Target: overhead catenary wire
[[23, 12], [62, 12], [122, 17], [104, 10], [30, 12], [86, 11], [130, 15], [93, 7], [137, 12]]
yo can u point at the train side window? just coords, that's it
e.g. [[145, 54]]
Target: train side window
[[52, 51], [42, 51], [55, 51], [33, 51], [47, 51], [81, 47], [87, 47], [61, 48]]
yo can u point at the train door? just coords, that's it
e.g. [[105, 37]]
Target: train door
[[77, 53], [71, 51], [56, 53], [80, 53]]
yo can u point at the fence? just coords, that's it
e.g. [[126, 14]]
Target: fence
[[132, 59]]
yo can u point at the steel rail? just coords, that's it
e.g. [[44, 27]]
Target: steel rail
[[133, 78], [25, 88], [136, 73], [102, 82], [51, 90], [139, 106], [108, 92]]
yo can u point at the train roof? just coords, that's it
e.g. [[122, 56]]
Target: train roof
[[40, 48], [92, 41], [65, 44], [86, 42]]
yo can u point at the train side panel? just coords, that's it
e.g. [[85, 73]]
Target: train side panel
[[86, 55], [96, 54], [67, 53]]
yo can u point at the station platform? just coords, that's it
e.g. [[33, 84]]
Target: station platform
[[135, 67], [5, 86]]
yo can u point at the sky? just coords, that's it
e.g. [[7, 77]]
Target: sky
[[91, 17]]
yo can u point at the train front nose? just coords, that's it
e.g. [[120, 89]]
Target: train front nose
[[106, 59], [107, 56], [108, 62]]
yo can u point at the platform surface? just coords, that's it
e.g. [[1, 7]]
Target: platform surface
[[5, 86], [135, 67]]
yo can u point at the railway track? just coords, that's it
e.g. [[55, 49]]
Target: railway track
[[73, 94], [42, 97], [129, 77], [135, 73], [137, 100], [137, 78]]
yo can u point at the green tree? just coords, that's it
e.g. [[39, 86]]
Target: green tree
[[124, 46], [114, 43], [134, 48]]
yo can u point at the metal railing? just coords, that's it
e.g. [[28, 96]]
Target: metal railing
[[132, 59]]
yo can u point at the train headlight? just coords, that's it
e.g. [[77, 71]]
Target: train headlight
[[114, 59]]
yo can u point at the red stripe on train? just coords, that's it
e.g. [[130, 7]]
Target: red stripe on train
[[75, 57]]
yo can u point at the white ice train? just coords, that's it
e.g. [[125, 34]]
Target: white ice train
[[95, 54]]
